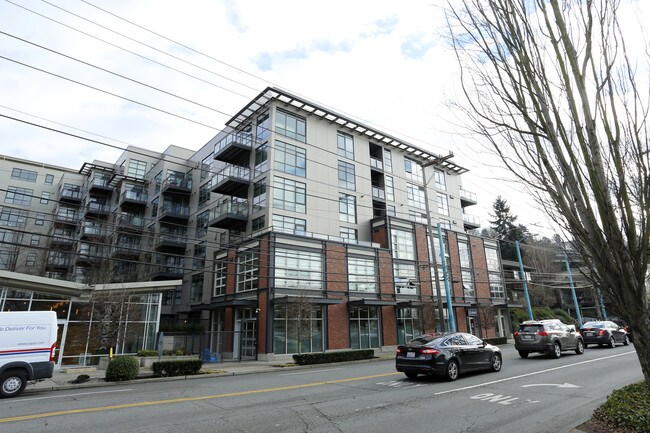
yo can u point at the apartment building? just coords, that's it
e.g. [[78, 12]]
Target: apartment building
[[295, 229]]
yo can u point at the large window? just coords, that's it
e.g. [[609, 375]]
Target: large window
[[389, 188], [247, 271], [22, 174], [388, 161], [297, 328], [345, 145], [259, 195], [439, 177], [19, 196], [468, 283], [415, 195], [406, 280], [364, 327], [349, 233], [289, 195], [290, 125], [261, 159], [289, 224], [137, 169], [196, 289], [413, 170], [443, 204], [496, 286], [409, 324], [403, 244], [362, 275], [346, 176], [492, 258], [220, 276], [464, 255], [298, 269], [262, 130], [204, 195], [347, 208], [13, 217], [290, 159]]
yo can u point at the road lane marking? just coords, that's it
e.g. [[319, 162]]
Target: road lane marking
[[187, 399], [73, 395], [309, 372], [530, 374], [557, 385]]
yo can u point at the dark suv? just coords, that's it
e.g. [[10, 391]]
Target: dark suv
[[547, 336]]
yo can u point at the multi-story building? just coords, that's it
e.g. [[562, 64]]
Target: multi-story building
[[294, 229]]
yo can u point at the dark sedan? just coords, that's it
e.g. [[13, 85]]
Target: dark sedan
[[447, 354], [604, 332]]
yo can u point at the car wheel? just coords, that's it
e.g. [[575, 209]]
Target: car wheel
[[452, 370], [411, 375], [12, 383], [523, 353], [495, 365], [556, 350], [612, 342], [626, 341], [580, 347]]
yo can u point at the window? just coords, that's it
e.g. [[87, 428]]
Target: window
[[199, 256], [40, 219], [196, 289], [390, 210], [496, 286], [443, 204], [298, 269], [413, 170], [409, 324], [36, 239], [49, 179], [464, 255], [289, 224], [30, 261], [206, 167], [290, 125], [290, 159], [26, 175], [362, 275], [468, 283], [45, 198], [445, 224], [220, 276], [403, 244], [259, 195], [415, 195], [202, 223], [247, 271], [13, 217], [364, 327], [297, 328], [389, 188], [261, 159], [262, 130], [418, 217], [289, 195], [388, 161], [19, 196], [346, 176], [137, 169], [492, 258], [347, 208], [406, 281], [345, 145], [349, 233], [258, 223], [439, 177]]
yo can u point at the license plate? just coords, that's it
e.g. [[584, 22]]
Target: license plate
[[589, 334], [410, 354], [527, 337]]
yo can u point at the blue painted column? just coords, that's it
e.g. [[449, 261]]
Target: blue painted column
[[445, 277], [523, 280]]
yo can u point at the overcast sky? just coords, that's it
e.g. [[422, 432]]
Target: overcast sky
[[386, 63]]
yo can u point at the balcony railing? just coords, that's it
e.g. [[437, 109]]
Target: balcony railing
[[134, 196], [243, 139], [471, 220], [467, 197], [174, 211]]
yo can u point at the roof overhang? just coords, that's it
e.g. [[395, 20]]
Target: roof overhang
[[371, 302]]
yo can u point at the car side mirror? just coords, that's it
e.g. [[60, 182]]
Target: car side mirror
[[483, 344]]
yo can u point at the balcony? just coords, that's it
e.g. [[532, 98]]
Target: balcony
[[90, 230], [168, 268], [100, 184], [62, 241], [230, 214], [69, 218], [235, 148], [467, 198], [97, 209], [376, 163], [471, 222], [70, 194], [232, 180], [174, 212], [178, 185], [59, 262], [131, 223], [127, 250], [169, 241], [378, 192], [132, 197]]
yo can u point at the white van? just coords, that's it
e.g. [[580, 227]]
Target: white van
[[27, 345]]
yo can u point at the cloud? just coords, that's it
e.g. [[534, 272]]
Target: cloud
[[265, 60], [233, 16], [416, 46]]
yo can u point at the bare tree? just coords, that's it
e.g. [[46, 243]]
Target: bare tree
[[299, 313], [110, 311], [553, 88]]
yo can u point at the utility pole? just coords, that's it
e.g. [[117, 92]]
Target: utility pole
[[573, 289], [523, 280]]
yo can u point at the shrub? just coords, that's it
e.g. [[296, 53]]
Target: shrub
[[496, 340], [147, 353], [122, 368], [184, 367], [181, 352], [627, 407], [325, 357]]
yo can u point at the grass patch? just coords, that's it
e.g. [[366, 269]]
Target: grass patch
[[628, 407]]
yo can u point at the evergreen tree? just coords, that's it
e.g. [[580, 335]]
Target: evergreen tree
[[503, 224]]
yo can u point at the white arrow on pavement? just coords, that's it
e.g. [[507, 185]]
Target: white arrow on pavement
[[557, 385]]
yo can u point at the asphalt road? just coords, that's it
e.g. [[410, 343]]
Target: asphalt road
[[528, 395]]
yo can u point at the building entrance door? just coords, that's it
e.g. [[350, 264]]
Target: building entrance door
[[245, 347], [62, 328], [471, 325]]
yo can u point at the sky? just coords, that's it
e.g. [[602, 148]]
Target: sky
[[152, 73]]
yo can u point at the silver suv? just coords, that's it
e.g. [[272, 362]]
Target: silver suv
[[547, 336]]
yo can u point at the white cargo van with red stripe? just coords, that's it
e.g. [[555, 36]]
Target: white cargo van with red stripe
[[27, 345]]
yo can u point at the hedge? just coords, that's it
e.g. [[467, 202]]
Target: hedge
[[183, 367], [628, 407], [146, 353], [122, 368], [326, 357], [520, 315], [496, 340]]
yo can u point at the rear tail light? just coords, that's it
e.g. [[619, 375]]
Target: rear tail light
[[542, 333], [516, 333], [429, 352], [52, 350], [602, 332]]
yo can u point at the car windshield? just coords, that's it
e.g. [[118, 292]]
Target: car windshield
[[428, 339], [593, 325], [529, 328]]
